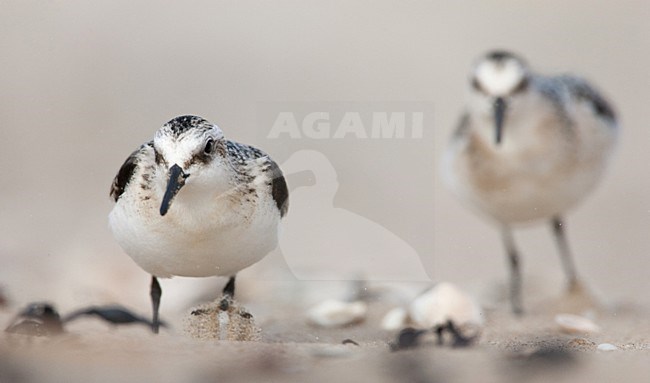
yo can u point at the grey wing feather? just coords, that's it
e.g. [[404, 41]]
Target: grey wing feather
[[582, 90], [125, 173], [240, 154]]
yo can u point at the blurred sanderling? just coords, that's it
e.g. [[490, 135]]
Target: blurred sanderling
[[528, 147]]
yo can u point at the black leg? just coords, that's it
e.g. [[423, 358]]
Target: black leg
[[515, 271], [229, 288], [439, 331], [565, 253], [156, 293], [228, 294]]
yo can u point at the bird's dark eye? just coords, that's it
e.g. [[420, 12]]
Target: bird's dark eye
[[209, 146]]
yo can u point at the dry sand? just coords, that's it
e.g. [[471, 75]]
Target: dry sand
[[82, 84], [530, 348]]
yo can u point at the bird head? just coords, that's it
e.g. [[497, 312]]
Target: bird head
[[188, 150], [497, 79]]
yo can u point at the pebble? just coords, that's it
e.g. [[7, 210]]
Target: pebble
[[335, 313], [573, 324]]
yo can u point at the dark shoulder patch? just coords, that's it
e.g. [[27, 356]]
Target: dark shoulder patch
[[279, 189], [125, 173], [241, 154]]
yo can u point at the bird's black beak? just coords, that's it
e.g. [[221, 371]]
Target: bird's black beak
[[176, 182], [499, 116]]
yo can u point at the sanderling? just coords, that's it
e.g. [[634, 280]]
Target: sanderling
[[225, 218], [528, 147]]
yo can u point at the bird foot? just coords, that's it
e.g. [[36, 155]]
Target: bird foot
[[577, 299], [223, 319], [225, 303]]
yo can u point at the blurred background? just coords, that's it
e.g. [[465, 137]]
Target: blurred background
[[82, 84]]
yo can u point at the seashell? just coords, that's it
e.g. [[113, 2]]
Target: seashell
[[442, 303], [607, 347], [395, 319], [334, 313], [573, 324]]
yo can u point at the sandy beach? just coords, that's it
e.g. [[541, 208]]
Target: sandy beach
[[83, 84], [531, 348]]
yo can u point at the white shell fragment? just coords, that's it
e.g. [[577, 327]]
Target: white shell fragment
[[442, 303], [395, 319], [334, 313], [574, 324], [607, 347]]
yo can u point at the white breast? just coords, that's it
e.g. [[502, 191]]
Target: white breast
[[196, 238], [539, 171]]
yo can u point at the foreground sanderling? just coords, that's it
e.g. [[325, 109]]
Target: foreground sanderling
[[225, 218], [528, 147]]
